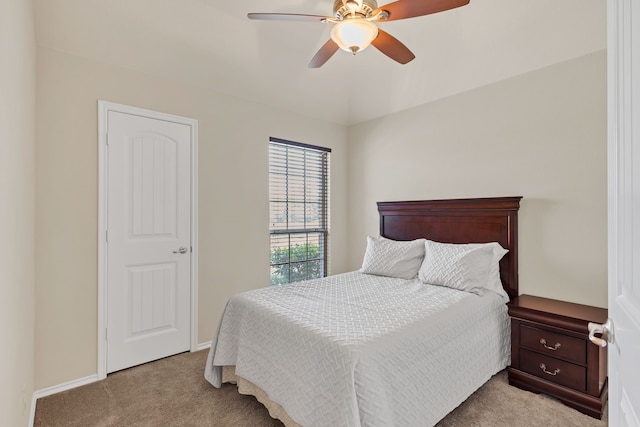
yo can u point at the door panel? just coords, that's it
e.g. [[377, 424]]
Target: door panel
[[624, 210], [153, 186], [151, 296], [148, 220]]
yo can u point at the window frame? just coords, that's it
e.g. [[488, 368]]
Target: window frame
[[322, 231]]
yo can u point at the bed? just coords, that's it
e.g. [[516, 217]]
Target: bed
[[359, 349]]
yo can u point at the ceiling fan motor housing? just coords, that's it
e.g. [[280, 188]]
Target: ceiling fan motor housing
[[341, 10]]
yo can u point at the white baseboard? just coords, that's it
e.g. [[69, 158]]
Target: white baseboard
[[57, 389], [32, 412], [65, 386], [203, 346]]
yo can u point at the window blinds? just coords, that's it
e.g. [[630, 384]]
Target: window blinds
[[298, 210]]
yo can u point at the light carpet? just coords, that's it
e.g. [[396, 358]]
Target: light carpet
[[173, 392]]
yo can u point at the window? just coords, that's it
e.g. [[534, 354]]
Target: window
[[298, 206]]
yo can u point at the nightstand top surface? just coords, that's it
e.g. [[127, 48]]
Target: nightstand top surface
[[560, 308]]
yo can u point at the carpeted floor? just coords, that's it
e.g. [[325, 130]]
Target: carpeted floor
[[173, 392]]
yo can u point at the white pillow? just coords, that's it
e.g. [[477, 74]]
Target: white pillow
[[467, 267], [493, 281], [392, 258]]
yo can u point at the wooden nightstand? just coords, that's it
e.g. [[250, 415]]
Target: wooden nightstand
[[551, 352]]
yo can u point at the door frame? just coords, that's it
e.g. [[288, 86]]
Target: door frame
[[104, 107]]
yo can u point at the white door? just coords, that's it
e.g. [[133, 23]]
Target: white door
[[148, 239], [624, 211]]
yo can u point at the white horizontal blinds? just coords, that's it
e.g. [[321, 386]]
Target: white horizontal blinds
[[298, 210]]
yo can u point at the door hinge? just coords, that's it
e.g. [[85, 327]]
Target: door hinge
[[106, 236], [106, 138]]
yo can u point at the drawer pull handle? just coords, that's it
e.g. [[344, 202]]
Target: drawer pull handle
[[544, 344], [544, 369]]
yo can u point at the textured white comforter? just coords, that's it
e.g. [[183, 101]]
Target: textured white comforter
[[362, 350]]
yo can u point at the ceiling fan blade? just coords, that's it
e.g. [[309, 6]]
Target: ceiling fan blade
[[403, 9], [323, 55], [392, 47], [286, 17]]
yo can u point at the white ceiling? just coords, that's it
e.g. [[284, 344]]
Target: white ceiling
[[212, 44]]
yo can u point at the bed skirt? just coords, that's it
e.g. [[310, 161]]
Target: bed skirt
[[247, 387]]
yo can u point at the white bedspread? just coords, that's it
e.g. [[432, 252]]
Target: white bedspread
[[362, 350]]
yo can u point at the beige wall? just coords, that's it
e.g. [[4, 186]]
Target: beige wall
[[541, 135], [233, 204], [17, 142]]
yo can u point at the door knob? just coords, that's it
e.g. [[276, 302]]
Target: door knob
[[182, 250], [606, 329]]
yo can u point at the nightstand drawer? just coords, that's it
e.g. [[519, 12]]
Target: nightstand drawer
[[555, 345], [554, 370]]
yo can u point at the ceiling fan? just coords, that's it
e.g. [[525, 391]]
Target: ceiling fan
[[355, 25]]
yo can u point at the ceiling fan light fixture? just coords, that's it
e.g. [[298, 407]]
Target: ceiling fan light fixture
[[354, 35]]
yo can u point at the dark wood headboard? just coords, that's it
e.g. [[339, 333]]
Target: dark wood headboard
[[459, 221]]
